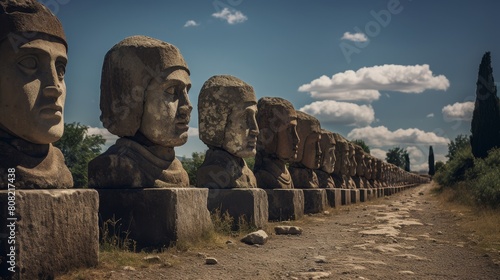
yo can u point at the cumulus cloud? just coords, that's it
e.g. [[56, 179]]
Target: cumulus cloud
[[378, 153], [381, 136], [431, 115], [193, 132], [191, 23], [110, 138], [390, 77], [343, 113], [231, 16], [355, 37], [458, 111]]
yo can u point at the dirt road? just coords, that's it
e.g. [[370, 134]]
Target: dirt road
[[405, 236]]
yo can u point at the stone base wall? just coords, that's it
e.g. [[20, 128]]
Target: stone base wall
[[54, 231]]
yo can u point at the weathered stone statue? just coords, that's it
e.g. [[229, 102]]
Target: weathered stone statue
[[327, 145], [32, 95], [342, 164], [368, 161], [144, 100], [277, 143], [309, 152], [360, 167], [227, 109], [352, 166]]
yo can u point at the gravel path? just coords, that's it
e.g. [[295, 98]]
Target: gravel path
[[405, 236]]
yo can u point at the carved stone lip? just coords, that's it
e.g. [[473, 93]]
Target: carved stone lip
[[51, 111]]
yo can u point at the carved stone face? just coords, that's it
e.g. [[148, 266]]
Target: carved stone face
[[240, 135], [360, 163], [368, 170], [167, 110], [352, 160], [32, 89], [327, 144], [312, 158], [309, 153], [277, 120], [344, 151]]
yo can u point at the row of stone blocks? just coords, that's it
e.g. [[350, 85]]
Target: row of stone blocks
[[57, 230]]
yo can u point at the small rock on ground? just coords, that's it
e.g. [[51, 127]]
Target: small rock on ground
[[258, 237], [152, 259], [211, 261], [292, 230]]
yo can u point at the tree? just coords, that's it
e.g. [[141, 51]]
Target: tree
[[439, 165], [407, 162], [192, 164], [432, 169], [79, 149], [485, 126], [397, 156], [362, 144], [460, 142]]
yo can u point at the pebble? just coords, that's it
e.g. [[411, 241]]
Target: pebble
[[292, 230], [152, 259], [211, 261], [128, 268]]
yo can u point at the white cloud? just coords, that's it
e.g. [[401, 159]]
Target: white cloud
[[110, 138], [378, 153], [343, 113], [431, 115], [353, 95], [458, 111], [381, 136], [231, 16], [191, 23], [390, 77], [355, 37], [193, 132]]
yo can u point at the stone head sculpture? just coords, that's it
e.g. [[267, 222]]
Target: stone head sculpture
[[352, 159], [33, 57], [277, 121], [32, 65], [360, 163], [144, 100], [227, 109], [309, 130], [327, 145], [144, 89], [342, 154], [368, 164]]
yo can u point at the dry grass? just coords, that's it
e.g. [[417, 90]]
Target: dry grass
[[482, 224]]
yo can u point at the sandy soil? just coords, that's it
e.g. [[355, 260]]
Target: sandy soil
[[405, 236]]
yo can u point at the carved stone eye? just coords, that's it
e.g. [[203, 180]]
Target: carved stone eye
[[28, 63], [170, 90]]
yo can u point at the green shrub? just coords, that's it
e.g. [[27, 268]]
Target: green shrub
[[458, 169], [487, 179]]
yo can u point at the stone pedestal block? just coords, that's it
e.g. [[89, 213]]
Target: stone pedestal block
[[250, 204], [315, 201], [355, 196], [363, 195], [53, 230], [381, 192], [334, 197], [285, 204], [157, 217], [345, 196]]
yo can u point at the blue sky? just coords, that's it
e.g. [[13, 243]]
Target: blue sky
[[394, 73]]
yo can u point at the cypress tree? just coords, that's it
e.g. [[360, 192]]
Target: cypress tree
[[485, 126], [407, 162], [432, 169]]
